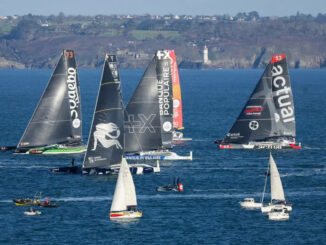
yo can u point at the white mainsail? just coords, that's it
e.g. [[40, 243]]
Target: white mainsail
[[277, 192], [125, 193]]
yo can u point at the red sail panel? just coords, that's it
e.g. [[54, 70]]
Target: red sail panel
[[177, 102]]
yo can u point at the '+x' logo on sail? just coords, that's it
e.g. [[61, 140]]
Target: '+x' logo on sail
[[144, 124]]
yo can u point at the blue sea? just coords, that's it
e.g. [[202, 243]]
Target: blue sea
[[208, 211]]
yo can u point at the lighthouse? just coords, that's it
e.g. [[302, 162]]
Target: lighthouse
[[205, 55]]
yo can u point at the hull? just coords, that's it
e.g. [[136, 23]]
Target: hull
[[253, 205], [50, 205], [278, 216], [125, 215], [269, 208], [262, 146], [167, 188], [55, 150], [71, 169], [26, 202], [178, 137], [158, 155], [137, 169], [76, 150], [31, 213]]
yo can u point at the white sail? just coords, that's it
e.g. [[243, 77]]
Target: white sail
[[125, 193], [277, 192]]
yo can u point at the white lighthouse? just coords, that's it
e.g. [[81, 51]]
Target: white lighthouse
[[205, 55]]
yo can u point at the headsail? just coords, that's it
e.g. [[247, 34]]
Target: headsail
[[177, 101], [148, 115], [106, 138], [277, 192], [269, 112], [125, 193], [57, 117]]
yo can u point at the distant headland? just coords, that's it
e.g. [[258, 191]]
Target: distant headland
[[245, 40]]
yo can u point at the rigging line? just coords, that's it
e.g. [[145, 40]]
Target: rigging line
[[109, 109], [109, 83]]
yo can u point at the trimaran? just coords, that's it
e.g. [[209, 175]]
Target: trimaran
[[149, 114], [267, 121], [56, 125]]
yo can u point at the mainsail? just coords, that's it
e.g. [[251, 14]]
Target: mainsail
[[57, 117], [125, 193], [269, 112], [149, 114], [106, 138], [277, 192], [177, 101]]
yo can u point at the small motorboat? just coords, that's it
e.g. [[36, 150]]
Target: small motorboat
[[176, 186], [32, 212], [28, 201], [250, 203], [47, 204], [279, 213]]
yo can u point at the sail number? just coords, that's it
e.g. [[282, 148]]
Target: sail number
[[70, 54]]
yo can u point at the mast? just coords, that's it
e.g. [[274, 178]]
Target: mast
[[269, 112], [177, 101], [106, 138], [57, 117], [267, 173]]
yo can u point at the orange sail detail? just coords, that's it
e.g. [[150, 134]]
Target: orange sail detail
[[177, 101]]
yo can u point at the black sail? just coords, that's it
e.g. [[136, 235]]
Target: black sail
[[269, 112], [106, 138], [57, 117], [142, 116]]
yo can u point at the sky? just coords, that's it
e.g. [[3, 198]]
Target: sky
[[161, 7]]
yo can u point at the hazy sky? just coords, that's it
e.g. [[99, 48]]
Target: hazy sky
[[192, 7]]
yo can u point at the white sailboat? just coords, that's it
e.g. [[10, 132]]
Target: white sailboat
[[124, 203], [277, 192]]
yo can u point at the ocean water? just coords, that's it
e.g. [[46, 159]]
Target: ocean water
[[207, 212]]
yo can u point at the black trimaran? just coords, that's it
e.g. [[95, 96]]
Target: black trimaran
[[267, 121], [56, 125], [149, 114], [106, 138]]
